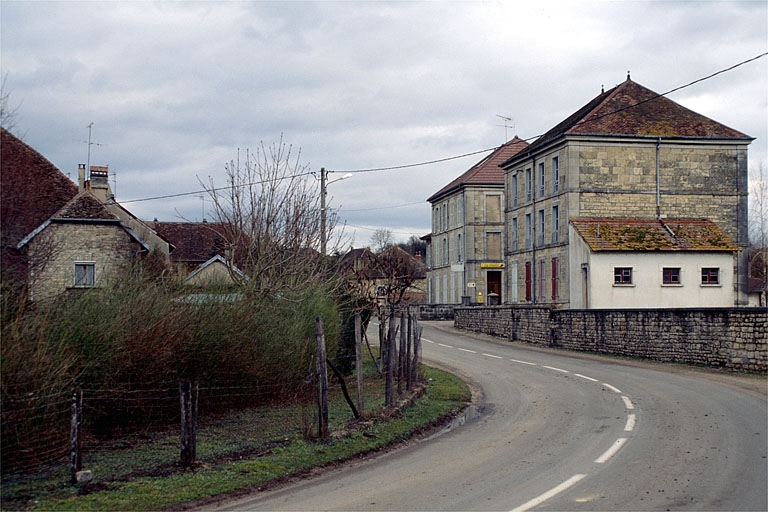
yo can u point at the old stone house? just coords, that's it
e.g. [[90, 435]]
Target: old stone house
[[465, 250], [58, 235], [629, 154]]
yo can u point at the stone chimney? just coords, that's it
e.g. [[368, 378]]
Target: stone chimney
[[99, 183]]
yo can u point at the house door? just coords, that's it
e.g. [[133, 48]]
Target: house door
[[493, 282]]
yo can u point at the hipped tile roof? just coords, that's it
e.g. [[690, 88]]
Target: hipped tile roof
[[630, 109], [653, 235], [486, 171]]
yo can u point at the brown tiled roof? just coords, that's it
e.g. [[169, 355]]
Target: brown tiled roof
[[653, 235], [486, 171], [193, 241], [84, 206], [32, 189], [633, 110]]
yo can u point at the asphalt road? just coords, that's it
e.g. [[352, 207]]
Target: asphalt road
[[563, 431]]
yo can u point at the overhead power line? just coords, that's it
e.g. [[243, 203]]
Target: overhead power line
[[446, 159]]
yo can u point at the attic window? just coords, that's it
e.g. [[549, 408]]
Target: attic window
[[85, 272]]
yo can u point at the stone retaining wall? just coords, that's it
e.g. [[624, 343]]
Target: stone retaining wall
[[734, 338]]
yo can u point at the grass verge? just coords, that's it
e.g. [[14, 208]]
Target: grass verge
[[244, 451]]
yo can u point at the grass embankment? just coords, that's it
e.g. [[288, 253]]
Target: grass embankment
[[236, 452]]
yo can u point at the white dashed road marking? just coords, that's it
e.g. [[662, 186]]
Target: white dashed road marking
[[556, 369], [549, 494], [610, 452]]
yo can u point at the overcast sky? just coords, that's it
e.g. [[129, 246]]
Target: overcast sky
[[174, 89]]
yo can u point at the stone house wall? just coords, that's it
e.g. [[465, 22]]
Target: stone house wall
[[733, 338], [55, 250]]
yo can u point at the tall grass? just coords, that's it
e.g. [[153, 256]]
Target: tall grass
[[129, 344]]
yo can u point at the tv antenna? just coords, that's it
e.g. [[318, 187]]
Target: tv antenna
[[506, 125], [90, 143]]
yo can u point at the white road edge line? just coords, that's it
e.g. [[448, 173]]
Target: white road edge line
[[549, 494], [523, 362], [585, 377], [614, 389], [556, 369], [444, 345], [630, 426], [466, 350], [491, 355], [610, 452], [627, 402], [428, 341]]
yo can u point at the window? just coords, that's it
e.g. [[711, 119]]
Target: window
[[514, 189], [555, 174], [622, 275], [555, 224], [528, 230], [540, 228], [528, 281], [555, 279], [528, 185], [513, 234], [541, 279], [459, 248], [493, 208], [670, 275], [541, 179], [493, 245], [85, 274], [710, 275]]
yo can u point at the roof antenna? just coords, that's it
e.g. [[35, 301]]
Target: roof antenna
[[88, 162], [602, 88], [505, 125], [628, 75]]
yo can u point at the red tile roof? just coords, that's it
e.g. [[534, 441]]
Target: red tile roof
[[653, 235], [84, 206], [633, 110], [486, 171], [32, 189]]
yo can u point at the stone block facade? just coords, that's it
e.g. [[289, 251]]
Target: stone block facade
[[54, 253], [732, 338]]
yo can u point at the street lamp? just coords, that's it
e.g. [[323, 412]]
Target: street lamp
[[323, 192]]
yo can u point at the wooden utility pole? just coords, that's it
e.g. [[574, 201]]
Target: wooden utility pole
[[322, 378]]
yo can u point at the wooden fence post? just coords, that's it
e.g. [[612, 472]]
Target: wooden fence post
[[416, 350], [322, 377], [76, 410], [359, 362], [188, 396], [409, 337], [401, 355], [389, 398]]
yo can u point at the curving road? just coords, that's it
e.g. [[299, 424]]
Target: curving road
[[563, 431]]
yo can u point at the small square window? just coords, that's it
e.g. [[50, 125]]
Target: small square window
[[671, 275], [84, 274], [710, 276], [622, 275]]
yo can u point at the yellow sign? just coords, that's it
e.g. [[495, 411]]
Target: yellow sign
[[491, 265]]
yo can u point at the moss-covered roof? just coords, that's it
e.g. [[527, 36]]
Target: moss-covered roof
[[653, 235]]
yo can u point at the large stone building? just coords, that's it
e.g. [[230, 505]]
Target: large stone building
[[627, 154], [465, 250]]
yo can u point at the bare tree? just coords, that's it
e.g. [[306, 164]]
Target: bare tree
[[758, 224], [380, 240], [269, 213], [8, 113]]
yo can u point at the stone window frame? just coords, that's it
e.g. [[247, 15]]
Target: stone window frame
[[82, 278]]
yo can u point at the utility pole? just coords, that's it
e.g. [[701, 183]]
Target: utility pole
[[323, 192]]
